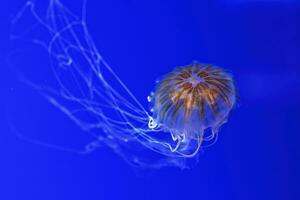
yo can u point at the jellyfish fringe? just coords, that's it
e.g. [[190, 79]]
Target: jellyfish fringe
[[89, 92]]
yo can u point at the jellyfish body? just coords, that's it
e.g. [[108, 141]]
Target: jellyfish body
[[193, 98]]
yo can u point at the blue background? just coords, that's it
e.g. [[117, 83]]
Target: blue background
[[257, 155]]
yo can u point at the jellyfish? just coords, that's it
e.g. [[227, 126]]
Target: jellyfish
[[187, 106]]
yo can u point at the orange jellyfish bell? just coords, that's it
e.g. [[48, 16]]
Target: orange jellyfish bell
[[191, 99]]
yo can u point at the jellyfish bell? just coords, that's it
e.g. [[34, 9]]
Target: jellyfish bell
[[191, 99]]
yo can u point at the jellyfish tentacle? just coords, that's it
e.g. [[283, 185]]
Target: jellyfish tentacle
[[185, 102]]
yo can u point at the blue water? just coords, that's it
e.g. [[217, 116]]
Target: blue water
[[257, 154]]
